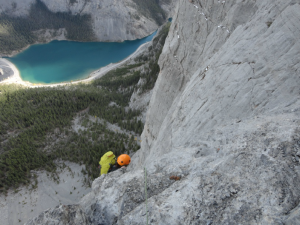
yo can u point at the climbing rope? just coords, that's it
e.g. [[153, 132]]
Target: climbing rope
[[146, 194]]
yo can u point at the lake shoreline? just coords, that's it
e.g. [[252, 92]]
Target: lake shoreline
[[16, 77]]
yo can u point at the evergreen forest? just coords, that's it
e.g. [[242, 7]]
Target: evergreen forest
[[37, 124]]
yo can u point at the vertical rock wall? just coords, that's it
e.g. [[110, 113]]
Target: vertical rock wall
[[225, 114], [223, 61]]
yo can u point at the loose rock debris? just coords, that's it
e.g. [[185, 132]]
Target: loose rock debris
[[175, 178]]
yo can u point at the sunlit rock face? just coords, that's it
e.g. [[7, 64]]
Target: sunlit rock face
[[223, 119]]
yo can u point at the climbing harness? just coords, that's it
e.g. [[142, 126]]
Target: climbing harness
[[146, 193]]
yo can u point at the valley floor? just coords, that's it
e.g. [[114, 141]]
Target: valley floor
[[90, 123], [12, 75]]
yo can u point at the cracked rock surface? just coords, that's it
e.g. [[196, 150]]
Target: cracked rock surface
[[63, 214], [224, 116]]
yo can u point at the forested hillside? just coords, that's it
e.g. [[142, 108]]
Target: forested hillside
[[17, 32], [36, 123], [37, 21], [152, 9]]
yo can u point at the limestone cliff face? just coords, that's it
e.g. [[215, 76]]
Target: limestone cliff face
[[223, 118], [113, 20]]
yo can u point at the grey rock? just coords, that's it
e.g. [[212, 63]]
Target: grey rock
[[247, 71], [112, 20], [63, 214], [293, 217], [190, 105]]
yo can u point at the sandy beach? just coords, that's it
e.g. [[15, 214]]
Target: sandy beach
[[16, 78]]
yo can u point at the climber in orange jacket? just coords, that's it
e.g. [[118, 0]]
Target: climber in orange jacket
[[108, 162]]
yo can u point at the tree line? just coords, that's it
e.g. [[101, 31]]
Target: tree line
[[31, 117]]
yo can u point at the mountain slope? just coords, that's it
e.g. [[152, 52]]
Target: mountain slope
[[25, 22], [51, 138], [221, 142]]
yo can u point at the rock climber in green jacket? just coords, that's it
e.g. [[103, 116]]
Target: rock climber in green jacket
[[108, 161]]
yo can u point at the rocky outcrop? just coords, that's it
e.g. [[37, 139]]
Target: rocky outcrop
[[63, 214], [46, 35], [111, 20], [223, 117]]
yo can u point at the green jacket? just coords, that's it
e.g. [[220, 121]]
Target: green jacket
[[106, 161]]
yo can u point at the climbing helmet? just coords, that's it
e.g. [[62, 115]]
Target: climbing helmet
[[123, 160]]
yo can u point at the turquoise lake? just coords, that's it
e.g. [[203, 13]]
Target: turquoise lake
[[61, 61]]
